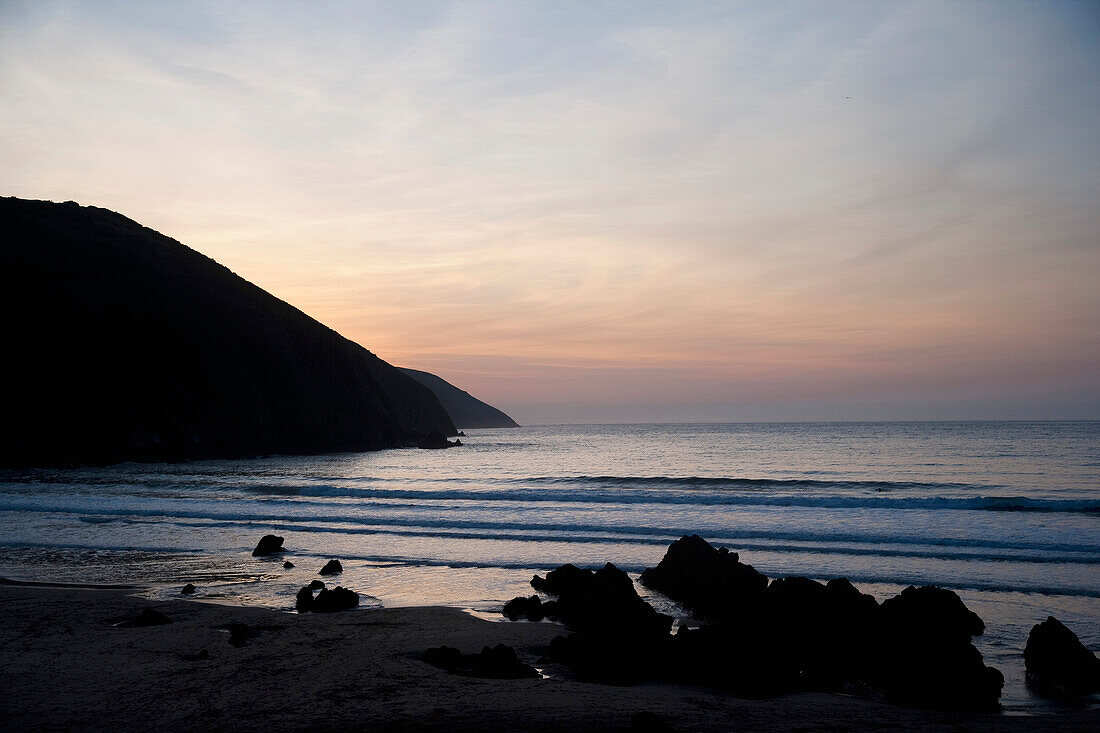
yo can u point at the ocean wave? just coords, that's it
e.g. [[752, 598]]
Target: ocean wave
[[539, 535], [742, 483], [150, 551], [561, 531], [701, 491], [925, 503]]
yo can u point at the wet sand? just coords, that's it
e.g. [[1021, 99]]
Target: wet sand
[[66, 666]]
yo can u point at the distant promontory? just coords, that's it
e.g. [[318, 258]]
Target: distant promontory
[[465, 410], [123, 344]]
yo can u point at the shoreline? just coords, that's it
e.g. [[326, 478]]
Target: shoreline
[[1001, 646], [67, 666], [78, 586]]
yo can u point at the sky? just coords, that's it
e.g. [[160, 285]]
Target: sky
[[613, 212]]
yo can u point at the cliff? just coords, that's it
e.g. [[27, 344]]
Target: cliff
[[465, 410], [123, 344]]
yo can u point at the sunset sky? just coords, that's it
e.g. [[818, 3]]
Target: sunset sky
[[586, 212]]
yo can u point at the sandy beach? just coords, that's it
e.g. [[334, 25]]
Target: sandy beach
[[67, 666]]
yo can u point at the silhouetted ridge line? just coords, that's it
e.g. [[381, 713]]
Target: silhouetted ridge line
[[126, 345], [465, 410]]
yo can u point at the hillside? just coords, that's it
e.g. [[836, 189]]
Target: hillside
[[465, 410], [123, 344]]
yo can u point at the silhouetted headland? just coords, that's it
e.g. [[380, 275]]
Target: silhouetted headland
[[123, 344], [465, 410]]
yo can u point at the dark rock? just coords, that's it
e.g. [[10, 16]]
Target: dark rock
[[794, 616], [612, 659], [239, 634], [619, 638], [603, 601], [444, 657], [269, 544], [947, 675], [745, 660], [335, 599], [792, 635], [435, 440], [147, 617], [288, 565], [565, 579], [710, 582], [924, 656], [303, 602], [823, 632], [188, 589], [316, 585], [331, 568], [1057, 663], [804, 635], [844, 635], [932, 611], [846, 595], [796, 591], [521, 607], [649, 722], [499, 662], [203, 654]]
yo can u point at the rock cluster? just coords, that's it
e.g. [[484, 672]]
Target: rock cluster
[[600, 601], [765, 638], [499, 662], [618, 639], [328, 600], [531, 608]]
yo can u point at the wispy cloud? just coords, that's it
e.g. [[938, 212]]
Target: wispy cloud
[[730, 206]]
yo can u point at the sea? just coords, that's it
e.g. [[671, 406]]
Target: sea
[[1007, 514]]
